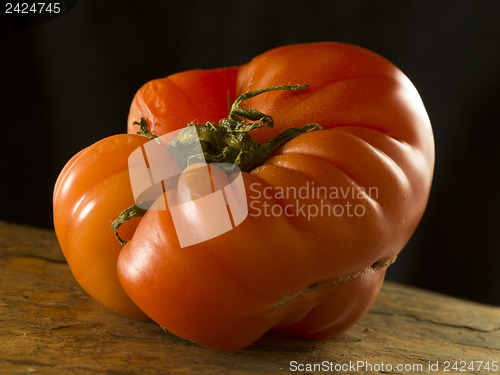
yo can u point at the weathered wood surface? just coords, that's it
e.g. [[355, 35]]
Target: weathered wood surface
[[48, 325]]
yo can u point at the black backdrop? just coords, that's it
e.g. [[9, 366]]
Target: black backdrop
[[69, 81]]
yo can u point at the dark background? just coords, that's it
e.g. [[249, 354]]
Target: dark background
[[68, 82]]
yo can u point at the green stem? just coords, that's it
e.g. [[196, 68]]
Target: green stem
[[227, 142], [237, 113], [144, 131], [126, 215]]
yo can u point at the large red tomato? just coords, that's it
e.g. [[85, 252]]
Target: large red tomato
[[327, 212], [291, 268]]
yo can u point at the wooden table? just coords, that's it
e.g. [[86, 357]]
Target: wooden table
[[48, 325]]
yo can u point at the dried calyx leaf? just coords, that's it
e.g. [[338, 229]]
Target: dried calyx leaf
[[227, 142]]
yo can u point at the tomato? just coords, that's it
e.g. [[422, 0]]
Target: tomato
[[327, 212], [90, 192], [200, 96]]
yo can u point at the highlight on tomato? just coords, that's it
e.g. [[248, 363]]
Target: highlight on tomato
[[334, 150]]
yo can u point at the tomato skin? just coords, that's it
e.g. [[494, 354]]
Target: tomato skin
[[90, 192], [301, 275], [225, 293], [200, 96]]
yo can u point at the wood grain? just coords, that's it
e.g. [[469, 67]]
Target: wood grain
[[48, 325]]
